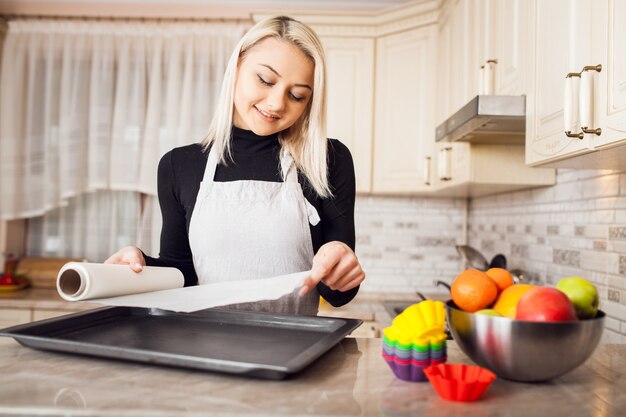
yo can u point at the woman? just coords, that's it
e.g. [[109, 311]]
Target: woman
[[265, 193]]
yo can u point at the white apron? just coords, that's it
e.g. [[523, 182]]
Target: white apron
[[254, 230]]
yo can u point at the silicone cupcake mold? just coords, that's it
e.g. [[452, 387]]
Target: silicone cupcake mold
[[459, 382], [416, 340]]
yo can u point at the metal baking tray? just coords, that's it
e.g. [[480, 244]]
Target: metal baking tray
[[263, 345]]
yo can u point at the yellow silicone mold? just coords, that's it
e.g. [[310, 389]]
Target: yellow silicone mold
[[423, 320]]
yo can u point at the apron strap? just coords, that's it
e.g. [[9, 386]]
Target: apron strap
[[211, 165], [288, 167], [290, 174]]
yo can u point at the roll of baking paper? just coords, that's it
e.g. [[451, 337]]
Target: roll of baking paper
[[78, 281], [160, 287], [586, 99]]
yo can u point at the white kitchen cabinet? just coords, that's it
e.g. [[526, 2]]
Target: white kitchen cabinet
[[610, 51], [350, 81], [456, 84], [404, 110], [471, 32], [503, 37], [560, 44], [473, 170], [569, 36]]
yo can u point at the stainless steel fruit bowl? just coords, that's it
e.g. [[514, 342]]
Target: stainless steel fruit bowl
[[522, 350]]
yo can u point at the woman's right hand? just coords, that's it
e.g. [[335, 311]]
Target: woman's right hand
[[130, 255]]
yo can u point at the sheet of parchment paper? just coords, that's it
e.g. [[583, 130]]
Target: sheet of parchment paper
[[158, 287]]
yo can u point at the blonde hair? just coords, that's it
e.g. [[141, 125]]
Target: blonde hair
[[306, 139]]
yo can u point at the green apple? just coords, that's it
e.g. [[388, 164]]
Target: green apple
[[489, 312], [583, 294]]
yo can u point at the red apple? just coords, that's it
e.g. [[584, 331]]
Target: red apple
[[7, 279], [545, 304]]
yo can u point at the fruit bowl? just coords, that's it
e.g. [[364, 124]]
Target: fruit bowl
[[523, 350]]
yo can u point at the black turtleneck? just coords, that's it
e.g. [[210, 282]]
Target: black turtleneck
[[253, 158]]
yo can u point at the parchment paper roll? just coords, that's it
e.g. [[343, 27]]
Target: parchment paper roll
[[79, 281]]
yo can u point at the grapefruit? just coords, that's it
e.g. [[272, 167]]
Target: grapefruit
[[506, 304]]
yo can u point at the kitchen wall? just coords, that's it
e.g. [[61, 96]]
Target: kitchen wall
[[576, 227], [405, 244]]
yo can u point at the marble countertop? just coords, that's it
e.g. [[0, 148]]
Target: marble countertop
[[350, 380], [40, 298]]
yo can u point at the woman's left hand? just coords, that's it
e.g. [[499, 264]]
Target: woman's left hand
[[336, 265]]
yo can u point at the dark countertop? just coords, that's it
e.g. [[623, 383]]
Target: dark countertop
[[350, 380]]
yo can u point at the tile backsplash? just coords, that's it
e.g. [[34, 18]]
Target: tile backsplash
[[576, 227], [406, 244]]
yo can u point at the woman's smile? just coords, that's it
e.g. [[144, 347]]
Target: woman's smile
[[266, 115]]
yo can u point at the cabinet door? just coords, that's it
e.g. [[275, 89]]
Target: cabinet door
[[609, 41], [457, 50], [444, 56], [510, 27], [453, 164], [405, 115], [481, 33], [350, 86], [561, 45]]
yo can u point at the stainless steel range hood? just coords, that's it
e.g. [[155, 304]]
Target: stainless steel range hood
[[488, 119]]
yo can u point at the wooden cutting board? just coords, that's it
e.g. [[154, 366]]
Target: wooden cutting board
[[42, 272]]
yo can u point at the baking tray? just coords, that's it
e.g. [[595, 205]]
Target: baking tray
[[254, 344]]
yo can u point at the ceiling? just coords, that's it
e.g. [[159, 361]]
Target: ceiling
[[344, 5]]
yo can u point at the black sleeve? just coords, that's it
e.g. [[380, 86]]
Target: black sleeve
[[338, 212], [175, 250]]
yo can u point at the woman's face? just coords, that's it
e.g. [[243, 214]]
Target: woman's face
[[273, 87]]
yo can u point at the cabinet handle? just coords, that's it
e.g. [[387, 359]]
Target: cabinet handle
[[587, 99], [445, 164], [427, 170], [487, 74], [570, 109]]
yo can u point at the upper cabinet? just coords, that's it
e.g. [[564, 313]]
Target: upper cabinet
[[380, 89], [350, 77], [405, 125], [610, 51], [577, 83], [505, 40], [471, 34], [394, 76], [457, 84]]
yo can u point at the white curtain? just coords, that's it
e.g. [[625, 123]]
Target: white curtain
[[86, 111]]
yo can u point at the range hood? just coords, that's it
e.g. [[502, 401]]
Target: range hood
[[487, 119]]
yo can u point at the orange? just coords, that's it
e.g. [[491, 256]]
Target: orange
[[501, 277], [506, 304], [473, 290]]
